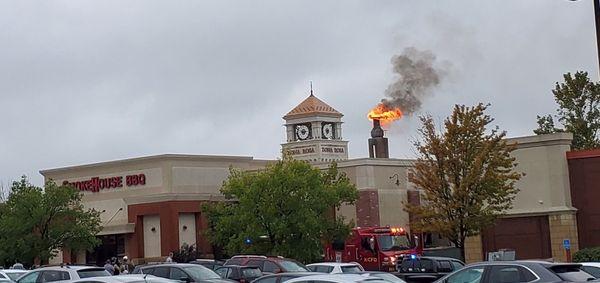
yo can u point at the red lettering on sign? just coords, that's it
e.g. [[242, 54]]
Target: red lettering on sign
[[95, 184]]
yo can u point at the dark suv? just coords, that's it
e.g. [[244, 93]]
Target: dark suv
[[271, 264], [427, 268], [185, 272]]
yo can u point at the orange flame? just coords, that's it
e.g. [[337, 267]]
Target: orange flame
[[384, 114]]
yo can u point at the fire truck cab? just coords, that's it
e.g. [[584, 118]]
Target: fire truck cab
[[375, 248]]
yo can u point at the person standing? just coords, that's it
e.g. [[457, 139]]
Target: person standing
[[170, 257], [127, 266], [109, 267], [116, 266]]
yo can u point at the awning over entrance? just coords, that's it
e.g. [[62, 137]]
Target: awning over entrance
[[126, 228]]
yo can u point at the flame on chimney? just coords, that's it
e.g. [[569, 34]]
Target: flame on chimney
[[384, 114]]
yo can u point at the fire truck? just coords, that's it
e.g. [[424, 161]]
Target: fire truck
[[375, 248]]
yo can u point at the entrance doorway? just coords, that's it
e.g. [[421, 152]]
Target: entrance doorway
[[110, 246]]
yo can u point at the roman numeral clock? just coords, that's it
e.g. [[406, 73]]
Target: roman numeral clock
[[314, 132]]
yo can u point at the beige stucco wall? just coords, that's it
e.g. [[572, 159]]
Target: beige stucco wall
[[545, 187], [168, 177], [368, 173]]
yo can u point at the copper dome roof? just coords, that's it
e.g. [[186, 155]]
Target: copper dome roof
[[310, 106]]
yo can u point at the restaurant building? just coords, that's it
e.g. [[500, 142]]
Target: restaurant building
[[151, 205]]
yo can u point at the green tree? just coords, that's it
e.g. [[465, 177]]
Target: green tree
[[285, 209], [35, 222], [466, 174], [578, 100]]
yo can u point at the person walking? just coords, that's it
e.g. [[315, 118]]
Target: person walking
[[127, 266], [170, 257], [109, 267], [116, 266]]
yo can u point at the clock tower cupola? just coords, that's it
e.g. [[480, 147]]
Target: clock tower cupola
[[314, 132]]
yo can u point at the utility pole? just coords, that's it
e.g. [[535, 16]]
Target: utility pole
[[597, 21]]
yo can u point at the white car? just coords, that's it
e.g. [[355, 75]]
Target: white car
[[335, 267], [128, 278], [65, 273], [337, 278], [593, 268], [11, 274]]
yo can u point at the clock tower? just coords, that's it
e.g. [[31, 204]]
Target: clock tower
[[314, 132]]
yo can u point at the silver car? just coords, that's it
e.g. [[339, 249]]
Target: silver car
[[11, 274], [129, 278], [66, 273]]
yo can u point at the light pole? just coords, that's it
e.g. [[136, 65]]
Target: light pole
[[597, 20], [597, 23]]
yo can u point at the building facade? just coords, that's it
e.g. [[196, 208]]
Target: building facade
[[151, 205]]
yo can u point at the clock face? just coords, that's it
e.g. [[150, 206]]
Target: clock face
[[327, 131], [302, 132]]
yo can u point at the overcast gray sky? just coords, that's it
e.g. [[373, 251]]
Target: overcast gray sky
[[91, 81]]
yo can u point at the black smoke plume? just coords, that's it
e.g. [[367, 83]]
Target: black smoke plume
[[417, 76]]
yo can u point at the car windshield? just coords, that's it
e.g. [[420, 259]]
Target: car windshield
[[572, 273], [201, 273], [351, 269], [14, 275], [387, 277], [394, 243], [92, 272], [291, 266], [251, 273]]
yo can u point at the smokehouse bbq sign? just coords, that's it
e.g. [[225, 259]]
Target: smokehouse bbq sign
[[95, 184]]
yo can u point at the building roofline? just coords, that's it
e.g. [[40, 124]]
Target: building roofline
[[541, 140], [369, 162], [580, 154], [159, 157]]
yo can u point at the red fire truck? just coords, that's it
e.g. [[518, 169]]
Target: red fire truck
[[375, 248]]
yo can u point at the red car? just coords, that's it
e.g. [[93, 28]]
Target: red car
[[270, 264]]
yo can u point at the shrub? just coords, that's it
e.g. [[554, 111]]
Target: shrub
[[186, 253], [587, 255]]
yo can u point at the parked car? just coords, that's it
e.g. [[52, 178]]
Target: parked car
[[270, 264], [185, 272], [383, 275], [208, 263], [518, 271], [62, 273], [335, 267], [427, 268], [593, 268], [283, 277], [337, 278], [242, 274], [128, 278], [11, 274]]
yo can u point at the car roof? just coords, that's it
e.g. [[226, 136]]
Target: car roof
[[434, 258], [13, 270], [169, 264], [125, 278], [595, 264], [526, 263], [239, 266], [334, 264], [342, 277], [69, 267]]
